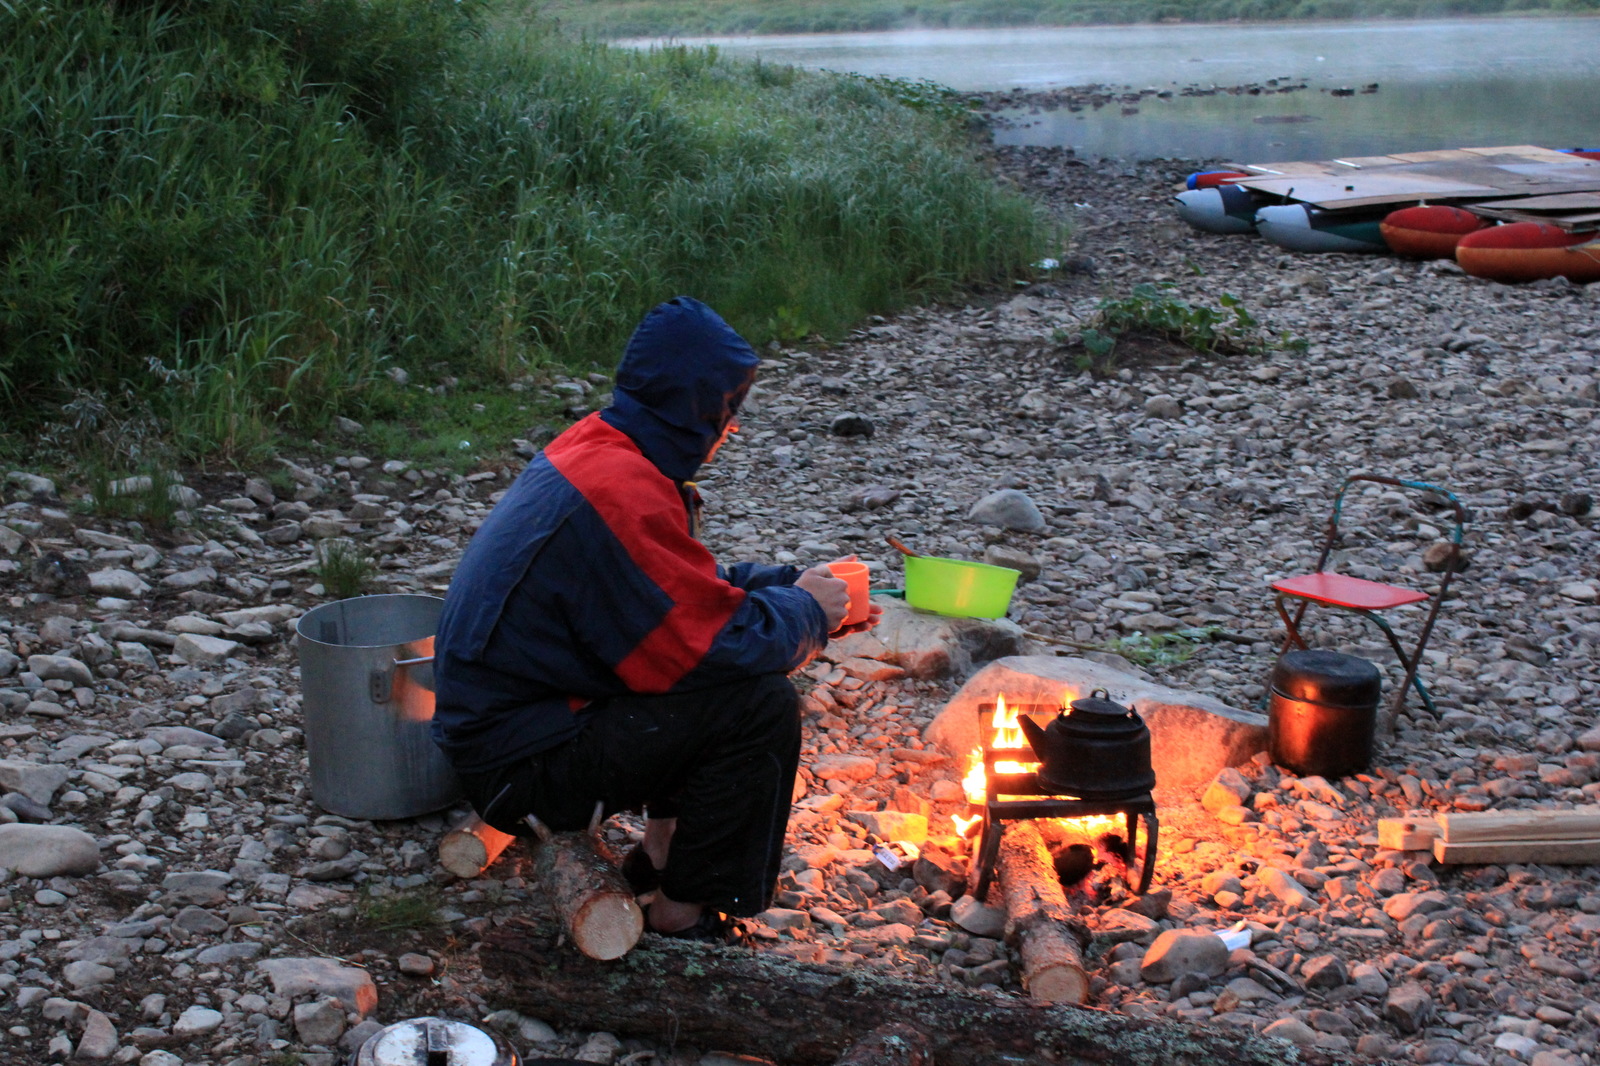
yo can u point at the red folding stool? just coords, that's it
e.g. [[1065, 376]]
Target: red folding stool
[[1369, 598]]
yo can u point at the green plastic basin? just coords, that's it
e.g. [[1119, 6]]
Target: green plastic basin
[[959, 588]]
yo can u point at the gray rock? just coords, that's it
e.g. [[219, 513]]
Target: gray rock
[[320, 1023], [202, 888], [1180, 951], [929, 646], [99, 1039], [851, 425], [35, 485], [169, 735], [977, 918], [82, 975], [1409, 1007], [199, 921], [123, 583], [61, 668], [25, 808], [350, 985], [1324, 971], [1009, 509], [200, 650], [196, 1021], [1191, 736], [237, 951], [47, 850]]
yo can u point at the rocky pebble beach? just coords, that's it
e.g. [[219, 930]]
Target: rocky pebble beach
[[172, 895]]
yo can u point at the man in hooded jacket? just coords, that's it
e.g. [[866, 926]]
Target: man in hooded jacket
[[592, 650]]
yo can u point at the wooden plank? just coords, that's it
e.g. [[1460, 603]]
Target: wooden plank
[[1554, 852], [1407, 834], [1570, 201], [1581, 823], [1533, 150], [1570, 223]]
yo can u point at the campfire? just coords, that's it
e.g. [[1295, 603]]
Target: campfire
[[1087, 775]]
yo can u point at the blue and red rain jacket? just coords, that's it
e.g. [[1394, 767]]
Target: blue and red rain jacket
[[586, 581]]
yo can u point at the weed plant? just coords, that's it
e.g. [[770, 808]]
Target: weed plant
[[411, 909], [224, 219], [1162, 649], [344, 569], [686, 18], [150, 498]]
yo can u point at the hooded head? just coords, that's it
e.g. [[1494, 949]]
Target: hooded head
[[683, 376]]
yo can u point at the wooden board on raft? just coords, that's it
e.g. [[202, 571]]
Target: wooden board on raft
[[752, 1002]]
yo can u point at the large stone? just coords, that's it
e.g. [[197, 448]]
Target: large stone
[[892, 825], [1180, 951], [37, 781], [116, 582], [847, 767], [1008, 509], [1192, 736], [977, 918], [99, 1040], [200, 888], [201, 650], [929, 645], [350, 985], [47, 850], [61, 668]]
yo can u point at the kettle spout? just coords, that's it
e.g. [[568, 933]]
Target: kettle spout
[[1035, 735]]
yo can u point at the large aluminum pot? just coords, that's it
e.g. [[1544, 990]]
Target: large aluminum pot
[[367, 704]]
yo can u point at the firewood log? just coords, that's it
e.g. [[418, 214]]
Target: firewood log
[[807, 1014], [1038, 919], [469, 848], [889, 1045], [1483, 827], [595, 903]]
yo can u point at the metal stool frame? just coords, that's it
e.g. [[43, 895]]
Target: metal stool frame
[[1381, 596]]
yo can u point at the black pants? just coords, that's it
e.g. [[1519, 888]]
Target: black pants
[[721, 760]]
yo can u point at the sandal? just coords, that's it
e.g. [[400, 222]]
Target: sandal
[[640, 873]]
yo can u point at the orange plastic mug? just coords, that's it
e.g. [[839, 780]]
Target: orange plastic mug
[[854, 575]]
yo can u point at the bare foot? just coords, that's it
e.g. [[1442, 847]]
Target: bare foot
[[670, 916]]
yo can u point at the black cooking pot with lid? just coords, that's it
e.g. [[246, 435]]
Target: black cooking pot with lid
[[1322, 713]]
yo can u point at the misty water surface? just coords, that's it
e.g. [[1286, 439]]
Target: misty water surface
[[1441, 84]]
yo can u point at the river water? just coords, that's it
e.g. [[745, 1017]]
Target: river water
[[1440, 84]]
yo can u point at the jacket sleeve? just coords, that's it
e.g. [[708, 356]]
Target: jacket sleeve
[[650, 601], [752, 576]]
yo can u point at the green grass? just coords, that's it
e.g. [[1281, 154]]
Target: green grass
[[344, 569], [223, 222], [411, 909], [690, 18]]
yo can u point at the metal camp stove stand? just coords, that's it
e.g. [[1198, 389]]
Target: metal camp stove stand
[[1027, 800]]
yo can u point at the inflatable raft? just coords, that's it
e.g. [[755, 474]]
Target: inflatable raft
[[1210, 179], [1303, 228], [1530, 251], [1428, 232], [1220, 209]]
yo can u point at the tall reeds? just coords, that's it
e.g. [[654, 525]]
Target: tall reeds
[[234, 216]]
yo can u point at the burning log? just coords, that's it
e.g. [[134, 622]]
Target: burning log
[[808, 1014], [1038, 919], [469, 848], [597, 907]]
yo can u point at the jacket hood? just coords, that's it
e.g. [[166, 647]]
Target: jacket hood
[[682, 378]]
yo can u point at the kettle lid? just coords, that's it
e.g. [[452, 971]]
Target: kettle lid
[[434, 1042], [1099, 702]]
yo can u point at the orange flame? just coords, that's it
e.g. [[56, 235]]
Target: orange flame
[[964, 826]]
